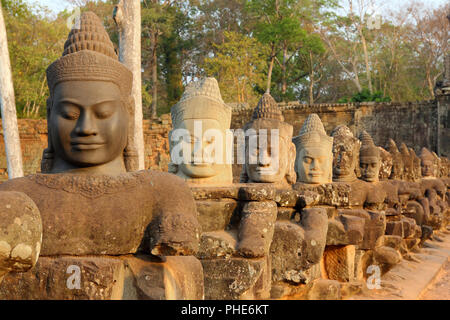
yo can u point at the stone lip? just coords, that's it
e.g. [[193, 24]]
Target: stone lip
[[284, 196]]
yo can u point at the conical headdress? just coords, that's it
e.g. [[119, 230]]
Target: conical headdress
[[404, 150], [343, 135], [89, 55], [313, 133], [426, 155], [202, 100], [267, 115], [368, 148], [267, 108], [392, 147]]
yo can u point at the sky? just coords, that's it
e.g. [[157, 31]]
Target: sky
[[59, 5]]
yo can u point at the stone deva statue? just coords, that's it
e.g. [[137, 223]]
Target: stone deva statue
[[427, 161], [417, 170], [268, 116], [345, 154], [386, 164], [397, 161], [408, 163], [314, 161], [90, 201], [201, 111], [369, 158]]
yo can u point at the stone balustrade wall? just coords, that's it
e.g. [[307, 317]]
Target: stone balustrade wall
[[416, 124]]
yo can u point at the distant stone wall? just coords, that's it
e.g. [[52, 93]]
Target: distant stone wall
[[33, 137], [416, 124]]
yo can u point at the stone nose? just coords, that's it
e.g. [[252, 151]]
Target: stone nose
[[86, 125]]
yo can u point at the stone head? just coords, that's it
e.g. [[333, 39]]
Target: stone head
[[369, 158], [407, 162], [273, 161], [427, 162], [314, 160], [203, 118], [397, 161], [416, 170], [345, 154], [90, 108], [437, 164], [386, 164]]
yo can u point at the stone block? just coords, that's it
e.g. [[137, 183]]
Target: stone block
[[256, 228], [394, 228], [20, 232], [107, 278], [286, 213], [287, 249], [339, 262], [215, 214], [386, 258], [324, 289], [393, 242], [374, 229], [297, 247], [235, 278], [345, 230], [217, 244]]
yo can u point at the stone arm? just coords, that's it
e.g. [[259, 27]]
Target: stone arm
[[175, 229], [20, 233]]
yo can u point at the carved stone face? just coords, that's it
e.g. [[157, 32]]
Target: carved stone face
[[314, 165], [203, 168], [265, 170], [88, 125], [427, 168], [370, 168], [344, 161]]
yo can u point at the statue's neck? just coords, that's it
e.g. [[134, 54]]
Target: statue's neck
[[114, 167]]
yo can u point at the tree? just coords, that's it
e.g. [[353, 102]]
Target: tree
[[127, 15], [278, 26], [238, 65], [8, 108]]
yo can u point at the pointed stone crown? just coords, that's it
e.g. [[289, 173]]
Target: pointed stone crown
[[267, 115], [313, 134], [385, 155], [202, 100], [426, 155], [267, 108], [89, 55], [404, 150], [392, 147], [343, 137], [368, 148]]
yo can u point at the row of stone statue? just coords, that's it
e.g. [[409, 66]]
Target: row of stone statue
[[311, 157]]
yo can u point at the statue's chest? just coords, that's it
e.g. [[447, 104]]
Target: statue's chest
[[91, 217]]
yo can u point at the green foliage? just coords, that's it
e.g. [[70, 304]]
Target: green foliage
[[238, 66], [365, 96], [315, 50], [33, 42]]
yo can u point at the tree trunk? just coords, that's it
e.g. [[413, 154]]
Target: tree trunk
[[284, 84], [128, 18], [366, 60], [8, 108], [311, 79], [269, 73], [154, 41]]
